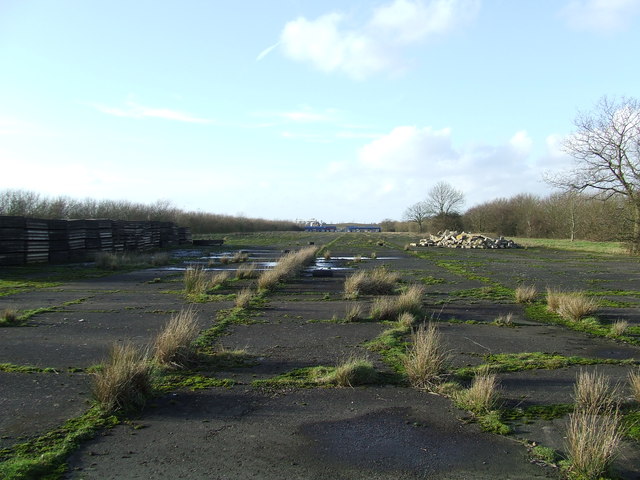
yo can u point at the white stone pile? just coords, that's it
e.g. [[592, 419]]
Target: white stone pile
[[464, 240]]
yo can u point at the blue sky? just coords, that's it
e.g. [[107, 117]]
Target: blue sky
[[298, 109]]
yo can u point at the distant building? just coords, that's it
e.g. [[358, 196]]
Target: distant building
[[363, 228], [320, 228]]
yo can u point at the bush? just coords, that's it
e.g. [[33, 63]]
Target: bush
[[425, 360], [173, 345], [124, 383]]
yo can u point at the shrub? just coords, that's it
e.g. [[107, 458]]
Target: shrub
[[525, 294], [425, 360], [378, 281], [592, 442], [390, 308], [481, 396], [8, 317], [355, 371], [243, 298], [619, 327], [173, 345], [124, 382]]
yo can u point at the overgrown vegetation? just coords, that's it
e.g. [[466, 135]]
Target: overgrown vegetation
[[173, 346], [288, 266], [426, 359], [391, 307], [378, 281]]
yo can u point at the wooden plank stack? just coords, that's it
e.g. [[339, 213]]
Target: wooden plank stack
[[31, 240]]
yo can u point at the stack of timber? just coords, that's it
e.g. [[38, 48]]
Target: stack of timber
[[31, 240], [464, 240]]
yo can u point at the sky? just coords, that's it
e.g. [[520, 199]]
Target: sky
[[297, 109]]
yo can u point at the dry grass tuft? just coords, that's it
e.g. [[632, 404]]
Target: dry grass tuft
[[246, 271], [243, 298], [240, 257], [591, 442], [9, 316], [504, 320], [593, 393], [355, 371], [374, 256], [173, 345], [426, 359], [572, 306], [407, 319], [481, 396], [124, 383], [196, 280], [326, 255], [619, 327], [390, 308], [289, 265], [378, 281], [525, 293], [218, 279], [353, 313], [634, 383]]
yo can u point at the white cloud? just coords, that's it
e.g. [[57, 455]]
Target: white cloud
[[135, 110], [521, 142], [600, 15], [331, 45]]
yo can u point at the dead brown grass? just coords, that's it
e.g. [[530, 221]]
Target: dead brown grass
[[173, 345], [124, 382], [243, 298], [619, 327], [378, 281], [634, 383], [525, 293], [289, 265], [355, 371], [246, 271], [481, 396], [390, 308], [572, 306], [426, 359]]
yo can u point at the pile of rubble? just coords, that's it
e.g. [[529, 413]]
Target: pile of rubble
[[464, 240]]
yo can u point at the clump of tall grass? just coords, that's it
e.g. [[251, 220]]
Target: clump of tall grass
[[481, 397], [373, 256], [505, 320], [390, 308], [572, 306], [8, 317], [173, 346], [407, 319], [246, 271], [426, 358], [124, 382], [326, 255], [525, 293], [196, 280], [218, 279], [353, 313], [240, 257], [378, 281], [288, 266], [619, 327], [354, 371], [634, 383], [592, 442], [592, 392], [243, 298]]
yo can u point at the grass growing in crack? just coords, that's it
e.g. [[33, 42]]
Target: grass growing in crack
[[243, 298], [634, 383], [572, 306], [390, 308], [619, 327], [45, 456], [378, 281], [288, 266], [525, 293], [9, 317], [426, 359], [592, 442], [173, 346], [246, 271], [353, 371], [307, 377], [354, 313], [407, 319], [124, 382], [481, 397], [593, 393], [391, 345], [504, 320]]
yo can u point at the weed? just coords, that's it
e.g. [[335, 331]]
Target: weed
[[353, 313], [378, 281], [591, 443], [504, 320], [218, 280], [407, 319], [553, 299], [354, 371], [525, 293], [571, 306], [243, 298], [196, 280], [481, 396], [425, 360], [174, 344], [124, 382], [634, 383], [619, 327], [9, 317], [389, 308], [246, 271]]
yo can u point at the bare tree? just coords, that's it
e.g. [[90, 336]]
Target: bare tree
[[418, 213], [443, 199], [606, 149]]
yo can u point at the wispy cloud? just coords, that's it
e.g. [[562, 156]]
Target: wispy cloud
[[135, 110], [267, 51], [330, 44], [602, 16]]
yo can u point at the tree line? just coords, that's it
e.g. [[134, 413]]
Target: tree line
[[32, 204]]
